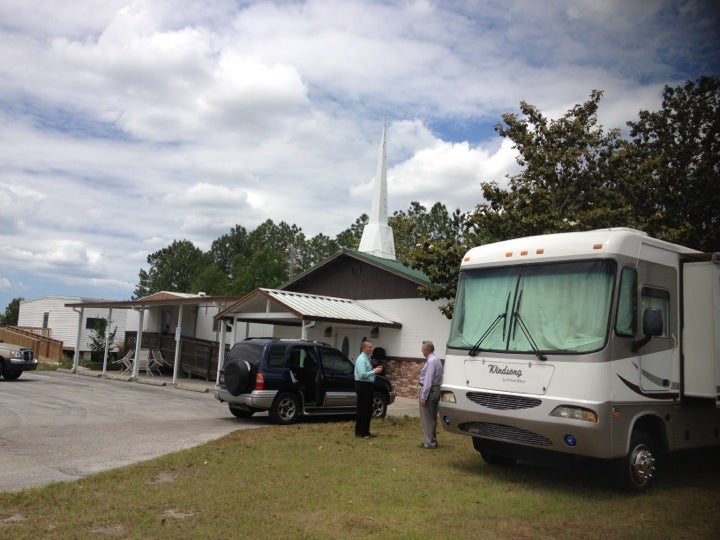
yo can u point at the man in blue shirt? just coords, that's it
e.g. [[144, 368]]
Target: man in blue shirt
[[431, 376], [364, 379]]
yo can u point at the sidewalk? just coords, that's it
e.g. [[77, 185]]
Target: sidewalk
[[404, 407], [401, 407]]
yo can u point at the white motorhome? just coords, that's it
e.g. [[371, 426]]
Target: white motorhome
[[602, 344]]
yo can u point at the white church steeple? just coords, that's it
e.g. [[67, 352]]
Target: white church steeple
[[377, 237]]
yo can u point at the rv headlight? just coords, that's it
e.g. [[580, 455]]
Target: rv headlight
[[575, 413], [448, 397]]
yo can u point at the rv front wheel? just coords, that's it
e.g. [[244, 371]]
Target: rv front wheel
[[638, 467], [492, 457]]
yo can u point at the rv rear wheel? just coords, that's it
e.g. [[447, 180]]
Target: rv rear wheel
[[637, 469]]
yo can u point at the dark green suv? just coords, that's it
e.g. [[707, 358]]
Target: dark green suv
[[292, 378]]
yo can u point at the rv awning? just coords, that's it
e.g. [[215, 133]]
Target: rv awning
[[272, 306]]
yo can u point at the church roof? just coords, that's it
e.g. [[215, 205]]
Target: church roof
[[389, 265]]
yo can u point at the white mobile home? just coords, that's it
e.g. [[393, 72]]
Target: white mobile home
[[61, 323]]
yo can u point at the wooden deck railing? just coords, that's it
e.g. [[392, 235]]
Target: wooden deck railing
[[44, 348], [198, 357]]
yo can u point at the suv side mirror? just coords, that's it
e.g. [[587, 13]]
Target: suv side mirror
[[652, 326]]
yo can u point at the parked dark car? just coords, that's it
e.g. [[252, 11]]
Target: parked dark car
[[15, 359], [292, 378]]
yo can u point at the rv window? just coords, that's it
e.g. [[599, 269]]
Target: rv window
[[627, 303]]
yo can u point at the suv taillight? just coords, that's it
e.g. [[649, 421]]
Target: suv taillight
[[259, 382]]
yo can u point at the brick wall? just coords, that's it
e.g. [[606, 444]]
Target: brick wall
[[404, 375]]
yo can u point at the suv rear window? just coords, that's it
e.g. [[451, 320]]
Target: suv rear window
[[276, 356], [249, 352]]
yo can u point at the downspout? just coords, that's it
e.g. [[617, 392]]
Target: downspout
[[305, 326]]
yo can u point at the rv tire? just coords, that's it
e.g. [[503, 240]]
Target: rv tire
[[637, 468], [492, 457]]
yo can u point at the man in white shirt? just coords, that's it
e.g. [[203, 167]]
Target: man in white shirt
[[429, 394]]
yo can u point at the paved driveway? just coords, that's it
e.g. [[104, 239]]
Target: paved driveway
[[56, 426]]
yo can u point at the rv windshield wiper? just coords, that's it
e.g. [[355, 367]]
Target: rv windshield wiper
[[519, 322], [525, 330], [476, 348]]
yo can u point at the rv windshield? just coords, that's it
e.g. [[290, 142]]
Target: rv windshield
[[563, 307]]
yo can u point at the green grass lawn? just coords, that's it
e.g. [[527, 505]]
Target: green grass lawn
[[316, 480]]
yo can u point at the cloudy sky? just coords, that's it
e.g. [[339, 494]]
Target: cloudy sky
[[127, 125]]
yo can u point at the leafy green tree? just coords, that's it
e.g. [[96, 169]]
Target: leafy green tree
[[284, 239], [266, 267], [440, 261], [278, 237], [211, 280], [418, 226], [350, 237], [315, 251], [97, 339], [568, 181], [173, 268], [12, 312], [224, 249], [676, 166]]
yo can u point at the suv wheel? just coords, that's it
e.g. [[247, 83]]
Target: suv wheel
[[237, 377], [9, 374], [379, 405], [285, 409]]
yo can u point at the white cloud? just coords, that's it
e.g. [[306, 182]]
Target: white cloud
[[66, 253]]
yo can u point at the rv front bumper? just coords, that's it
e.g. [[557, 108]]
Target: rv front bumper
[[545, 424]]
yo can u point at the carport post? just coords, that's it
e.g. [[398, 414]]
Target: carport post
[[107, 338], [221, 351], [76, 356], [138, 346], [178, 340]]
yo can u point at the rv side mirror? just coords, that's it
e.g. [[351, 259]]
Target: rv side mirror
[[652, 326], [653, 322]]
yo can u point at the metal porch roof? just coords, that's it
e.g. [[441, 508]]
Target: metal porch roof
[[274, 306]]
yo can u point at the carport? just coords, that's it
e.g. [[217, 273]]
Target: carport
[[158, 300], [287, 308]]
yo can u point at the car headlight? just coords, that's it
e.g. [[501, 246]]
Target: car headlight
[[575, 413]]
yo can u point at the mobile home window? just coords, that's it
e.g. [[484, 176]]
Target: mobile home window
[[659, 299], [627, 303], [46, 319], [91, 323]]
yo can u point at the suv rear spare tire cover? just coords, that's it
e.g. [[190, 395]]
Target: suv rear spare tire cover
[[237, 377]]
